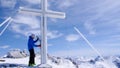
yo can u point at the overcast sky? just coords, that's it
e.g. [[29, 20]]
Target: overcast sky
[[98, 20]]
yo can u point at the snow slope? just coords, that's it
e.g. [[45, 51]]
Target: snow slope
[[58, 62], [23, 62]]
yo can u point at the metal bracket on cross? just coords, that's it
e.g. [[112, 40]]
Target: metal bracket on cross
[[44, 13]]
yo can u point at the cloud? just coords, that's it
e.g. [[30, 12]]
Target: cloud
[[35, 2], [17, 28], [63, 4], [53, 34], [66, 3], [8, 3], [25, 25], [31, 21], [100, 11], [72, 37], [4, 47], [50, 34], [90, 28]]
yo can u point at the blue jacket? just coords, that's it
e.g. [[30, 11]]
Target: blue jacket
[[31, 43]]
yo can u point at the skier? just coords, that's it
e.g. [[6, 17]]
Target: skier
[[31, 45]]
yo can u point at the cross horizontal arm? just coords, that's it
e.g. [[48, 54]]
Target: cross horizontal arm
[[30, 11], [36, 12], [55, 14], [5, 21]]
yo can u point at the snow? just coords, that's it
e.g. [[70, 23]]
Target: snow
[[63, 63], [16, 53], [59, 62]]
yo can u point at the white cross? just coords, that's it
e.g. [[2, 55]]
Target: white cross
[[44, 13]]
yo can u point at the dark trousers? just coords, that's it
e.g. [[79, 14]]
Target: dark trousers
[[32, 56]]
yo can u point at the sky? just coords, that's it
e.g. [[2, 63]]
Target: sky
[[98, 21]]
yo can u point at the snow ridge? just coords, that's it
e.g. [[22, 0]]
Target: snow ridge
[[18, 58]]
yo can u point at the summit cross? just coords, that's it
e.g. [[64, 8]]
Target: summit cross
[[44, 13]]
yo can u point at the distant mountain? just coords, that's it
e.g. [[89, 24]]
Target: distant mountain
[[59, 62], [16, 53], [109, 62]]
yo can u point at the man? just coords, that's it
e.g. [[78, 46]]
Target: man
[[31, 45]]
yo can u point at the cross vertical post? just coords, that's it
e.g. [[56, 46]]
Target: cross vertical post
[[44, 13], [43, 33]]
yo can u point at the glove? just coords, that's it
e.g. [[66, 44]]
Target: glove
[[39, 46], [37, 37]]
